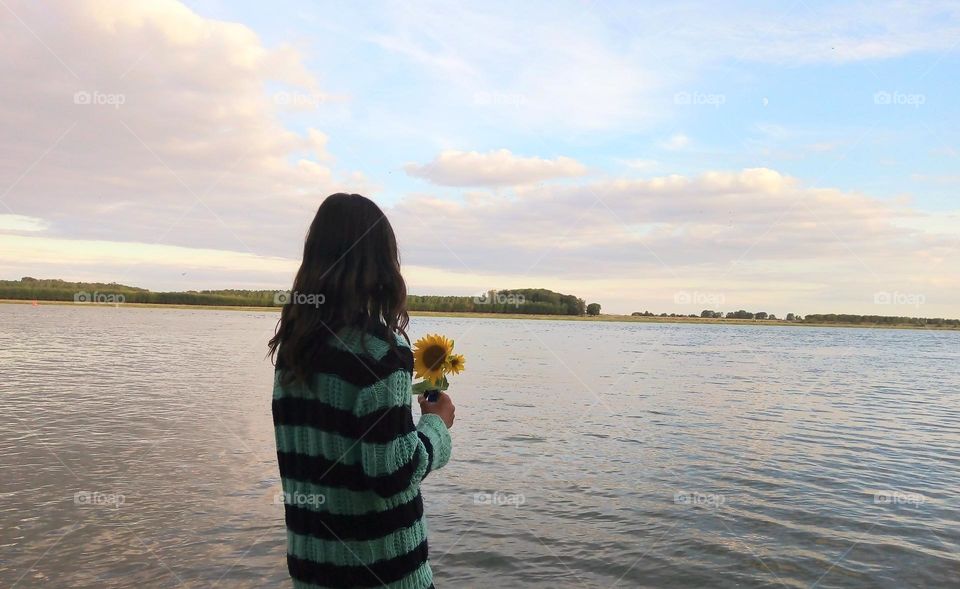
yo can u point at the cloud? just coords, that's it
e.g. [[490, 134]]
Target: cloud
[[17, 223], [140, 263], [611, 64], [496, 168], [641, 164], [142, 121], [91, 253], [676, 142], [746, 231], [853, 35], [477, 61]]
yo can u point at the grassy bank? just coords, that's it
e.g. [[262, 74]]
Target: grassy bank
[[471, 315]]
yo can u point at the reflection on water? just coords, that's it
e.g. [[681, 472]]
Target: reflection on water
[[137, 450]]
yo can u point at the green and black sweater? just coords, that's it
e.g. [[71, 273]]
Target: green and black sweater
[[351, 462]]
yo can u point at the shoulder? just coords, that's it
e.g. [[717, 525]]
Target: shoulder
[[383, 352], [357, 357], [375, 344]]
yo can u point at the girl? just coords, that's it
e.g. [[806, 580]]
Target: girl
[[351, 459]]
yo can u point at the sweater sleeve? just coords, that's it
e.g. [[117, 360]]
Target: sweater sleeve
[[396, 455], [435, 438]]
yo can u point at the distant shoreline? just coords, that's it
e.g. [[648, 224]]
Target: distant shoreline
[[470, 315]]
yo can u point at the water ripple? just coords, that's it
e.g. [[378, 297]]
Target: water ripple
[[138, 450]]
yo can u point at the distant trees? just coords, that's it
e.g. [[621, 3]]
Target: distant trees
[[816, 318], [881, 320], [60, 290], [527, 301], [524, 301]]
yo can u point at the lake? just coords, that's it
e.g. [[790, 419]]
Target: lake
[[137, 450]]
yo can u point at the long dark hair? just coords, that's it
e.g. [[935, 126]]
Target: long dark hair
[[349, 277]]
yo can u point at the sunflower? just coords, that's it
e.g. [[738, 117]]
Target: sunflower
[[430, 356], [455, 363]]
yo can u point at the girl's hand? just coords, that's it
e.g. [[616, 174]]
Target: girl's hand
[[442, 407]]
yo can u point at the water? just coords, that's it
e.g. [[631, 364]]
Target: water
[[137, 450]]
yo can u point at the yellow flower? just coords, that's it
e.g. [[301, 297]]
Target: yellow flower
[[455, 363], [430, 356]]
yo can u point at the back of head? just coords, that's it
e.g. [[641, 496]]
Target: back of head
[[349, 277]]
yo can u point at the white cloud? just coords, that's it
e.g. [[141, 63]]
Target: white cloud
[[488, 65], [744, 232], [144, 264], [137, 120], [613, 65], [17, 223], [92, 253], [854, 34], [495, 168], [641, 164], [676, 142]]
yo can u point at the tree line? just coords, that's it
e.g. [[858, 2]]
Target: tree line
[[880, 320], [532, 301], [29, 288], [526, 301]]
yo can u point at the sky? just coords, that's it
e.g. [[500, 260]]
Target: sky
[[788, 157]]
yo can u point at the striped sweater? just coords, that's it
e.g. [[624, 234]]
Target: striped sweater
[[351, 461]]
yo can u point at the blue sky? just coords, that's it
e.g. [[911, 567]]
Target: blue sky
[[797, 156], [812, 118]]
